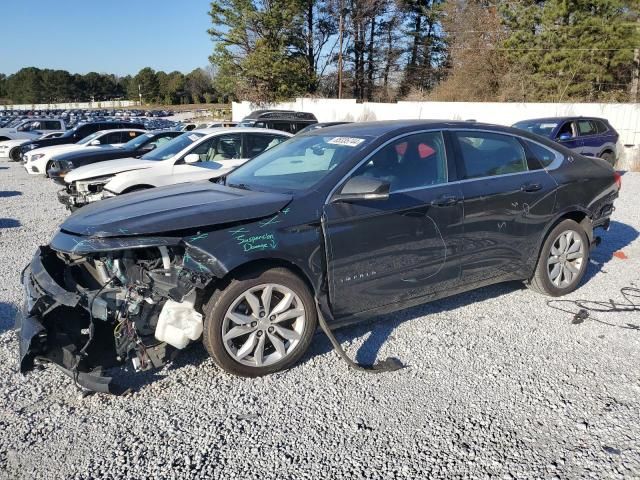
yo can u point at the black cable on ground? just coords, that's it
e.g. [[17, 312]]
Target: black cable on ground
[[583, 309], [388, 365]]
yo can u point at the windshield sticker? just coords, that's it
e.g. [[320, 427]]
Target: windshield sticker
[[548, 125], [193, 138], [346, 141]]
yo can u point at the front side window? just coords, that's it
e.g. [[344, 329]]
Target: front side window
[[216, 149], [410, 162], [86, 140], [486, 154], [586, 127], [566, 131]]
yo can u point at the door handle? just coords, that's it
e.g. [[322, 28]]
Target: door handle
[[445, 201], [531, 187]]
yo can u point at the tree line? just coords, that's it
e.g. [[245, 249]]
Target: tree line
[[381, 50], [33, 85]]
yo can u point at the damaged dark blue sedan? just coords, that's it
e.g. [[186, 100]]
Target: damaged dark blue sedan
[[329, 227]]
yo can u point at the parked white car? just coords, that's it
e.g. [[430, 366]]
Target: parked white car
[[196, 155], [11, 148], [32, 128], [38, 161]]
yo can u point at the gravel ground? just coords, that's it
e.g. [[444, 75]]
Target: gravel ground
[[497, 384]]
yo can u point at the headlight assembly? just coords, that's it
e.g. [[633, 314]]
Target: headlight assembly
[[36, 157]]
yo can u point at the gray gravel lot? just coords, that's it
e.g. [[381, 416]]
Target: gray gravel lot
[[497, 384]]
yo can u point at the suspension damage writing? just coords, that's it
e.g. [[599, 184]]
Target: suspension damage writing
[[249, 242]]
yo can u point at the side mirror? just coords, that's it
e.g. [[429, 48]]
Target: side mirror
[[565, 136], [148, 148], [94, 143], [363, 188], [192, 158]]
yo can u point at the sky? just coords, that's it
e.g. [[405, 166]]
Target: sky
[[106, 36]]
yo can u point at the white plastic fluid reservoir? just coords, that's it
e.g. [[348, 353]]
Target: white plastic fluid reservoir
[[179, 323]]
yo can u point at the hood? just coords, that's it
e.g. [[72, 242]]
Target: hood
[[175, 207], [53, 149], [104, 150], [110, 167]]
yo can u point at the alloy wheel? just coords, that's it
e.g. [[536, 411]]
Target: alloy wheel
[[565, 260], [263, 325]]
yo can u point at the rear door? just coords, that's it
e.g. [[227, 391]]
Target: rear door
[[505, 200], [592, 141], [387, 251]]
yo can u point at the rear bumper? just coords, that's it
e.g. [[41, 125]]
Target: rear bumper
[[52, 327]]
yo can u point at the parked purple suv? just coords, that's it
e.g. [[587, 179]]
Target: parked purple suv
[[590, 136]]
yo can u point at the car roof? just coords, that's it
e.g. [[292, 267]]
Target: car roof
[[561, 119], [209, 131], [292, 115], [379, 128], [111, 130]]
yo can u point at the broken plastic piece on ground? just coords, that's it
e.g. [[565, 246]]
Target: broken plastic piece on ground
[[620, 254]]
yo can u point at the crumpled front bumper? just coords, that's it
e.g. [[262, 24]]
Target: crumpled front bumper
[[69, 200], [50, 329]]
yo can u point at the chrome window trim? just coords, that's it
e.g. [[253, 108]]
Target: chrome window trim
[[552, 166]]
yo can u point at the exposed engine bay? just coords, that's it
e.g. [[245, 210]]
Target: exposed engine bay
[[104, 309]]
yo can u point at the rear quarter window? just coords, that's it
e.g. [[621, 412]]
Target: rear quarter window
[[539, 156]]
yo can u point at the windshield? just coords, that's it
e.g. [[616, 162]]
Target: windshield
[[88, 138], [544, 128], [297, 164], [169, 149]]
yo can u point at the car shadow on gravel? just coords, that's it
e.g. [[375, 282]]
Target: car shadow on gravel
[[380, 328], [7, 316], [617, 238], [9, 193], [9, 223]]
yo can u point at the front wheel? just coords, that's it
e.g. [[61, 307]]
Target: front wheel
[[610, 158], [14, 154], [563, 260], [260, 323]]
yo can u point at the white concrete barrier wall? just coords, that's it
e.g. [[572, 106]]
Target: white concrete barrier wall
[[624, 117], [71, 105]]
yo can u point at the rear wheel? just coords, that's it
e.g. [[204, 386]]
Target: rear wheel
[[563, 260], [260, 323], [609, 157]]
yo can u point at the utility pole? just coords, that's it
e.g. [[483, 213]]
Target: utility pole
[[340, 30], [635, 79]]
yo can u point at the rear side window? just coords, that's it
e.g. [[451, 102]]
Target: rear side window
[[256, 144], [487, 154], [586, 127], [284, 126], [51, 125], [542, 156], [601, 127]]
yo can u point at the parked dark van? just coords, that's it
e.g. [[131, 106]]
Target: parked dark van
[[285, 120]]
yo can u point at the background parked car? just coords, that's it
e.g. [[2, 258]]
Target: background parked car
[[11, 148], [196, 155], [285, 120], [31, 129], [63, 163], [79, 132], [590, 136], [39, 160]]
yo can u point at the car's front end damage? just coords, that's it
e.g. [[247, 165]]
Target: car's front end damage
[[82, 192], [123, 281], [93, 305]]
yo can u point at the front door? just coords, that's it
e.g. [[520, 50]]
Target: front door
[[507, 195], [387, 251]]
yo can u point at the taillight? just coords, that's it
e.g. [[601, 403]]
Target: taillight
[[618, 179]]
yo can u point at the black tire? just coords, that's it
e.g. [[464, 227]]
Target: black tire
[[222, 300], [541, 281], [14, 154], [609, 157], [46, 169]]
